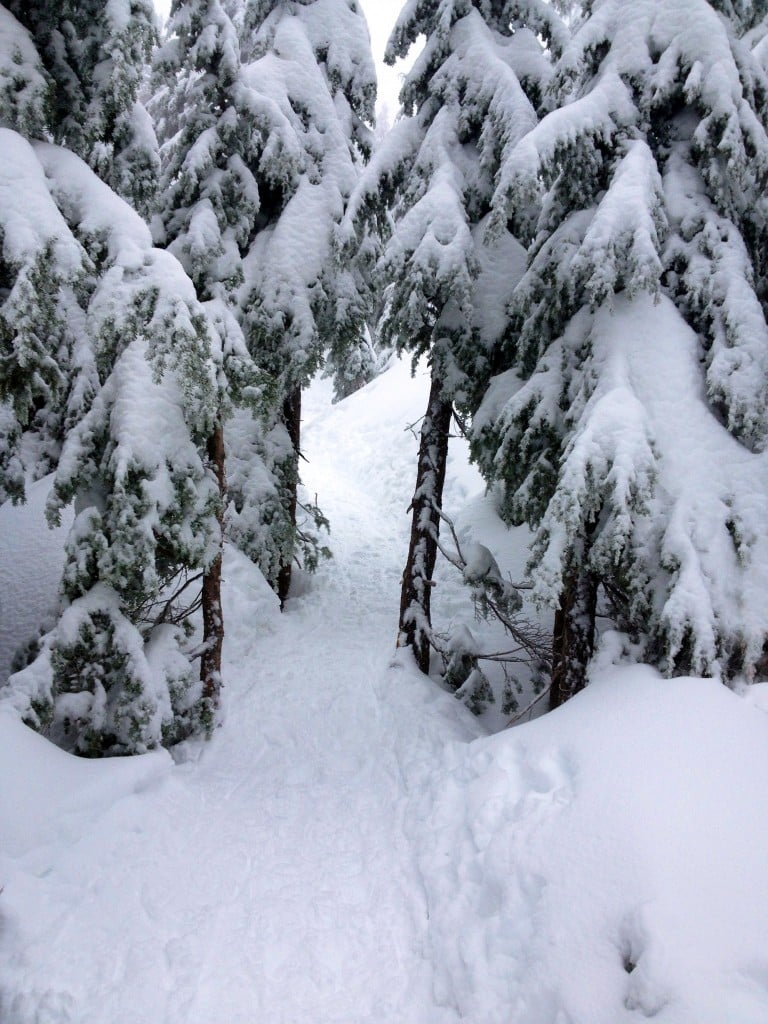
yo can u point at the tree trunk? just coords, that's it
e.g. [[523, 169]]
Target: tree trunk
[[213, 618], [573, 640], [292, 420], [415, 599]]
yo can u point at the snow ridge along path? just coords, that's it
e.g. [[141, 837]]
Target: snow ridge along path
[[266, 878]]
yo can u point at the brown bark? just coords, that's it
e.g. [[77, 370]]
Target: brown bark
[[573, 639], [415, 598], [213, 618], [292, 420]]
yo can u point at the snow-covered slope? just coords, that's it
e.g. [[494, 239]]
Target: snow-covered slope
[[352, 848], [604, 864]]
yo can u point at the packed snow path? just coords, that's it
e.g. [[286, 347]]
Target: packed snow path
[[267, 878]]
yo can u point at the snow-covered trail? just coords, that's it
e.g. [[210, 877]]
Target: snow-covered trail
[[267, 879]]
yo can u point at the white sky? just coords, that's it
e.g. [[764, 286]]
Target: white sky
[[381, 15]]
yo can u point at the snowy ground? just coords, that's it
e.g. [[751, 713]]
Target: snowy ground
[[352, 848]]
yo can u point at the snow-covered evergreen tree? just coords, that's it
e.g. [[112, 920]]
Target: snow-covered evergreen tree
[[147, 507], [210, 140], [631, 419], [96, 53], [471, 95], [206, 208], [310, 66], [32, 383], [102, 338], [263, 125]]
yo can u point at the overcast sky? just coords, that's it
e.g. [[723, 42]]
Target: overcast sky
[[381, 15]]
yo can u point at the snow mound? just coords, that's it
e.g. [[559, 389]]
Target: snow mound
[[54, 796], [605, 863]]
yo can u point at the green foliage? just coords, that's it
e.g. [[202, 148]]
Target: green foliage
[[307, 541], [25, 89], [86, 719], [95, 55], [476, 692], [654, 186], [462, 673], [33, 337]]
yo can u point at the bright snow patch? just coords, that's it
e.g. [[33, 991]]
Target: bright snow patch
[[31, 562], [604, 864]]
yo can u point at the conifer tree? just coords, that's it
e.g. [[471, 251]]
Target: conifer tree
[[212, 127], [470, 96], [38, 282], [209, 196], [96, 54], [206, 211], [310, 65], [103, 336], [263, 124], [630, 424]]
